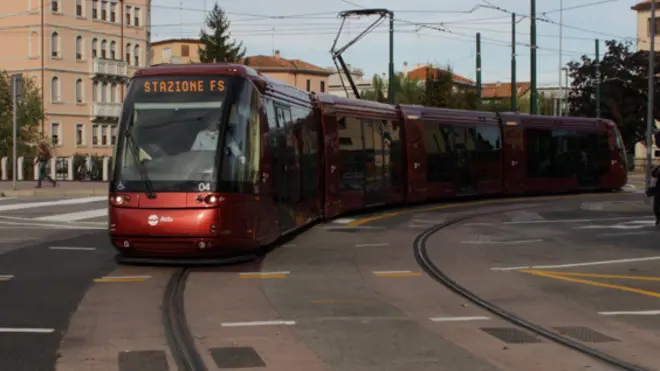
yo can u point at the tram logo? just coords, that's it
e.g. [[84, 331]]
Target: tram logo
[[154, 220]]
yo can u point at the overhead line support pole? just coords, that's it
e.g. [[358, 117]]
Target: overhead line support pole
[[391, 93], [650, 119], [514, 90], [597, 79], [532, 29], [479, 66]]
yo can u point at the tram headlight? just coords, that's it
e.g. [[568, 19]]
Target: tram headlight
[[120, 199]]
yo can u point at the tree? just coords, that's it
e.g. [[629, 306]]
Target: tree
[[217, 46], [29, 114], [623, 89]]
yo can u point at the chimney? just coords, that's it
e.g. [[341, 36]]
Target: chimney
[[277, 54], [405, 68]]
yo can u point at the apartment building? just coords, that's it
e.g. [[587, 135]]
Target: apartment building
[[182, 51], [81, 54]]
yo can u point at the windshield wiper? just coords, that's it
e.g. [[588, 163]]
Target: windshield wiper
[[136, 157]]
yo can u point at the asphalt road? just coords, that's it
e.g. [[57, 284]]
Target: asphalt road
[[335, 297]]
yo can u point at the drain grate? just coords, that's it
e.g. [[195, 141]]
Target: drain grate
[[511, 335], [240, 357], [145, 360], [584, 334]]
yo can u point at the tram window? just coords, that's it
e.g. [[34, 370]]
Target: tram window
[[564, 154], [270, 113], [394, 152], [539, 145], [488, 138], [352, 174], [254, 140], [439, 146], [488, 152]]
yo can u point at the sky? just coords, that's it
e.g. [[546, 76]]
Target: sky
[[426, 31]]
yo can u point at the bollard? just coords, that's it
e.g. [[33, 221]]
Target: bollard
[[53, 167], [4, 168], [19, 167]]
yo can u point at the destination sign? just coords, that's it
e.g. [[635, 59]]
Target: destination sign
[[183, 85]]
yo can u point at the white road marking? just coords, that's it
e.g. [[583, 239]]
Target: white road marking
[[391, 272], [459, 319], [623, 234], [51, 226], [343, 220], [73, 217], [502, 242], [7, 198], [6, 276], [263, 273], [125, 277], [72, 248], [632, 313], [27, 330], [257, 323], [372, 244], [571, 220], [475, 224], [350, 228], [635, 224], [71, 201], [585, 264]]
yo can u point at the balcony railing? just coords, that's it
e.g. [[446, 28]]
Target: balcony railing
[[106, 109], [109, 67]]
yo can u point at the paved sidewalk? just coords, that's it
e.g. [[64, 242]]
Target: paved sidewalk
[[63, 188]]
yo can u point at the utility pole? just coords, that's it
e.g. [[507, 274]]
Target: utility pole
[[514, 88], [532, 29], [650, 117], [561, 62], [390, 89], [16, 92], [597, 80], [149, 55], [479, 66]]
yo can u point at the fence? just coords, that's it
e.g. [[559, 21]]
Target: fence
[[72, 168]]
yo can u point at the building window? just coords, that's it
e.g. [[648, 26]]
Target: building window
[[79, 91], [79, 48], [136, 16], [113, 92], [128, 14], [185, 50], [113, 50], [322, 86], [55, 6], [80, 134], [55, 90], [79, 8], [657, 26], [309, 85], [104, 10], [55, 44], [95, 91], [128, 53], [167, 54], [55, 135], [95, 134], [113, 12], [95, 9], [104, 135], [136, 55], [95, 48], [113, 134], [104, 92], [104, 49]]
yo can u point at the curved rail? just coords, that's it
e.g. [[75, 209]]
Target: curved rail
[[421, 255], [179, 338]]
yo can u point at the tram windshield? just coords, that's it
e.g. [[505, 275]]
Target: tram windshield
[[188, 134]]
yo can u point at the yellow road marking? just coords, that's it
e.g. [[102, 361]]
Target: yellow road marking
[[333, 301], [397, 274], [264, 276], [119, 279], [596, 275], [593, 283], [486, 202]]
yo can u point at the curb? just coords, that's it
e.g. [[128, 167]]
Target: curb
[[54, 192]]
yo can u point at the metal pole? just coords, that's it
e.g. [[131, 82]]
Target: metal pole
[[14, 98], [532, 29], [561, 34], [650, 117], [514, 88], [597, 80], [479, 67], [391, 93], [149, 55]]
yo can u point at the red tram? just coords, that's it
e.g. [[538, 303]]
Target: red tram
[[215, 160]]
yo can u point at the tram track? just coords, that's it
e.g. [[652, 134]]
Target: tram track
[[424, 261], [179, 337]]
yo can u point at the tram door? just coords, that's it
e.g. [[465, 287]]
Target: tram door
[[514, 157], [465, 176], [372, 134], [283, 163]]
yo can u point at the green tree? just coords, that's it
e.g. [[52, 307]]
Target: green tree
[[29, 114], [376, 92], [623, 89], [217, 46]]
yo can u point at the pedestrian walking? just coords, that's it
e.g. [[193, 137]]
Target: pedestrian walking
[[43, 157]]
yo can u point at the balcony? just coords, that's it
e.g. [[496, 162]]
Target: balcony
[[107, 110], [109, 67]]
